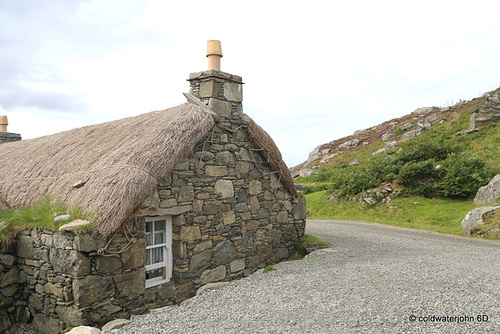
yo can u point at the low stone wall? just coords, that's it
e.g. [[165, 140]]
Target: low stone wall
[[59, 278], [11, 294]]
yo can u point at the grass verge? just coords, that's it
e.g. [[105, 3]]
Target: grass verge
[[433, 215]]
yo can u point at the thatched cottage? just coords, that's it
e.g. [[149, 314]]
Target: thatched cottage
[[194, 194]]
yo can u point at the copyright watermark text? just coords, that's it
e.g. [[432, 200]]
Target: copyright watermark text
[[446, 318]]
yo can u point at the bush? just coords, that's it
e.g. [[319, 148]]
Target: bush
[[351, 180], [425, 150], [415, 168], [461, 176], [418, 177], [312, 188], [414, 172]]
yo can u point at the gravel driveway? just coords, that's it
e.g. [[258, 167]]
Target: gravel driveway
[[375, 279]]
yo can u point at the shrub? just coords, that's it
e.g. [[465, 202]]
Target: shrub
[[312, 188], [422, 150], [461, 176], [351, 180], [418, 177]]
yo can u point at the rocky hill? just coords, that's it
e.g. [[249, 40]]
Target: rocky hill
[[463, 118]]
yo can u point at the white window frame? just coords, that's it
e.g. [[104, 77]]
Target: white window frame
[[166, 264]]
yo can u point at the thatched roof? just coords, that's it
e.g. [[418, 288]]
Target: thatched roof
[[113, 167], [121, 161]]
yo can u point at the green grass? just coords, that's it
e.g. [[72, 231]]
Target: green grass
[[433, 215], [307, 241], [41, 214], [491, 227], [269, 269]]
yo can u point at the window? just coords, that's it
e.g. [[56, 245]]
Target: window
[[158, 250]]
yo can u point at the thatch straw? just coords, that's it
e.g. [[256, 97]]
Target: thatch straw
[[117, 164], [111, 168], [273, 156]]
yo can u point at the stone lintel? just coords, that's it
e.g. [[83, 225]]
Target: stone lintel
[[174, 211]]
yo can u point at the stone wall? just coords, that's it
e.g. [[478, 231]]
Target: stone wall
[[10, 295], [59, 278], [6, 137], [234, 216]]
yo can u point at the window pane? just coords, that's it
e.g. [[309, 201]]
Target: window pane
[[159, 225], [157, 255], [159, 238], [149, 226], [148, 256], [154, 273], [149, 239]]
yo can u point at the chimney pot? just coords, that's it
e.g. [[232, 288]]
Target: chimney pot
[[3, 123], [214, 54]]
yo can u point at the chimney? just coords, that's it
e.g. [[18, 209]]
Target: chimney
[[220, 91], [4, 135], [214, 54], [3, 123]]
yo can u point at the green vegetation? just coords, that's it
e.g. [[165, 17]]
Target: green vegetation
[[491, 227], [441, 170], [41, 214], [425, 166], [268, 269], [307, 242], [441, 215], [67, 328]]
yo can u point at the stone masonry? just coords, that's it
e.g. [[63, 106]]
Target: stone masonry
[[6, 137]]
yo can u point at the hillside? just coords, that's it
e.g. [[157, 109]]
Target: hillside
[[435, 157], [452, 122]]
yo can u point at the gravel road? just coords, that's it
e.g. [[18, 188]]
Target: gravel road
[[375, 279]]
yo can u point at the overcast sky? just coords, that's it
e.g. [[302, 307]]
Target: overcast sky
[[314, 71]]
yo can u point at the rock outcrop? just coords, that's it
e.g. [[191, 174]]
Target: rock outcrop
[[474, 218], [489, 193], [425, 110], [307, 172], [488, 113]]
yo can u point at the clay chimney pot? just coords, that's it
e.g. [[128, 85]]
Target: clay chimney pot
[[214, 54], [3, 123]]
